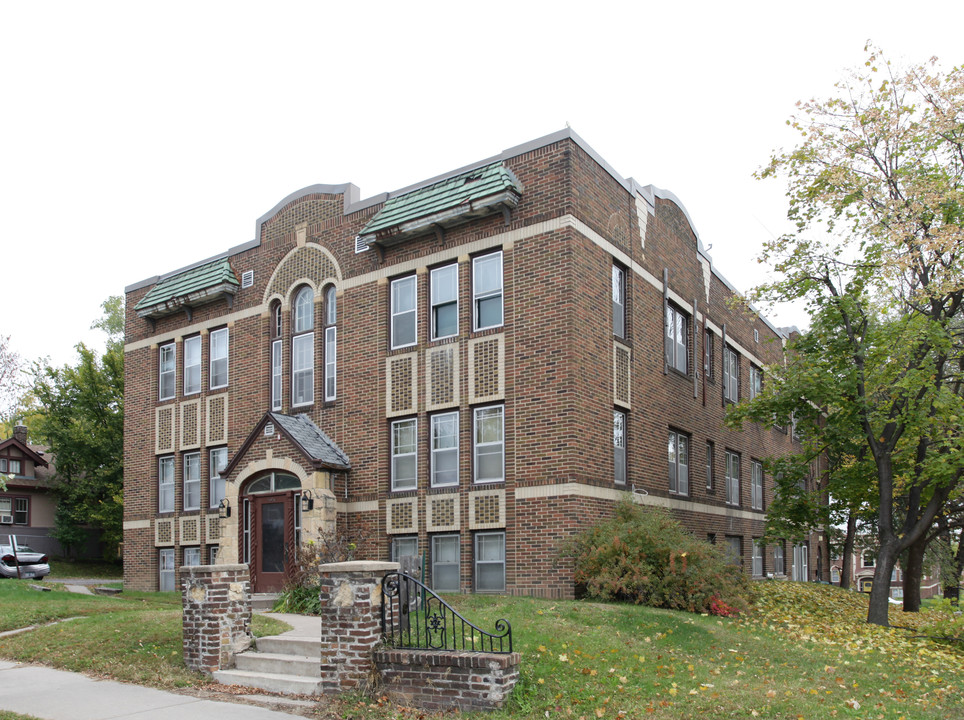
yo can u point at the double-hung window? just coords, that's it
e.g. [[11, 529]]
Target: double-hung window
[[489, 444], [21, 510], [732, 478], [487, 291], [758, 550], [731, 375], [490, 562], [165, 484], [404, 547], [445, 563], [192, 365], [404, 456], [445, 301], [219, 358], [619, 301], [756, 381], [404, 316], [303, 349], [192, 481], [679, 461], [709, 464], [445, 449], [276, 374], [676, 339], [619, 447], [778, 564], [331, 344], [756, 484], [192, 556], [167, 371], [218, 460], [709, 356], [165, 562]]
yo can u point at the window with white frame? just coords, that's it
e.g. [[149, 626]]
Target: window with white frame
[[218, 460], [758, 553], [303, 348], [213, 554], [219, 358], [445, 449], [731, 374], [12, 465], [619, 447], [404, 547], [676, 336], [489, 435], [276, 374], [619, 301], [165, 563], [165, 484], [869, 558], [709, 356], [192, 365], [331, 344], [167, 371], [709, 464], [779, 568], [446, 568], [192, 481], [404, 455], [445, 301], [490, 562], [487, 291], [403, 311], [756, 381], [756, 484], [679, 461], [192, 556], [732, 478]]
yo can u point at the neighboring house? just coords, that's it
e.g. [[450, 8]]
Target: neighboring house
[[864, 563], [27, 506], [470, 369]]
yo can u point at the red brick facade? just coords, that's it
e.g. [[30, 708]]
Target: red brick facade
[[553, 369]]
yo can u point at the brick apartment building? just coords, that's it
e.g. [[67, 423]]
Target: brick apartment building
[[469, 369]]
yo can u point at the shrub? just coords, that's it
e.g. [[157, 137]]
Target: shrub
[[300, 593], [645, 556]]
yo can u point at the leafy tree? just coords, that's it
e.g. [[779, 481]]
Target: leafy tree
[[876, 192], [83, 423], [10, 367]]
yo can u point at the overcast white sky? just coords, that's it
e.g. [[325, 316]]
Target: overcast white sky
[[137, 138]]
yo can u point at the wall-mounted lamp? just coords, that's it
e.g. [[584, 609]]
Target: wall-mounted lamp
[[307, 501], [224, 509]]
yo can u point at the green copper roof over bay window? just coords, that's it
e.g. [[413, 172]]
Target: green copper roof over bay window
[[448, 202], [197, 286]]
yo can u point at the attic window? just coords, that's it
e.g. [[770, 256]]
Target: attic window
[[247, 278]]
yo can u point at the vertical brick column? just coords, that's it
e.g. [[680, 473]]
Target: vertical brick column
[[216, 600], [351, 598]]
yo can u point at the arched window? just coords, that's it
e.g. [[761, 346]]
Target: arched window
[[331, 344], [303, 348], [277, 352]]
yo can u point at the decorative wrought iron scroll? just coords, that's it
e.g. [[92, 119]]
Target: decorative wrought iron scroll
[[415, 617]]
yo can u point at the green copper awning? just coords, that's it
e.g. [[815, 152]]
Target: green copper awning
[[185, 290], [450, 202]]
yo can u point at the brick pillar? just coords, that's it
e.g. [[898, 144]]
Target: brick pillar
[[351, 598], [217, 615]]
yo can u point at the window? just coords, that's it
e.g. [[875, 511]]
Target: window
[[679, 460], [15, 467], [756, 381], [731, 375], [835, 575], [489, 444], [778, 565], [869, 558], [276, 371], [709, 356], [404, 547], [445, 449], [192, 556], [192, 481], [304, 311], [732, 478], [192, 365], [331, 344], [219, 358], [165, 563], [758, 550], [213, 554], [218, 460], [246, 521], [446, 570], [3, 465], [619, 447], [709, 465], [801, 563], [21, 510], [756, 485], [404, 319], [303, 369], [445, 301], [404, 459], [675, 339], [165, 484], [276, 320], [756, 335], [734, 549], [490, 562], [166, 371], [894, 577], [619, 301], [487, 291]]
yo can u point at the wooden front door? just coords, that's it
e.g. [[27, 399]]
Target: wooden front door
[[272, 539]]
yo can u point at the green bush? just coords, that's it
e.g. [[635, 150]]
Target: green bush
[[644, 556], [301, 592]]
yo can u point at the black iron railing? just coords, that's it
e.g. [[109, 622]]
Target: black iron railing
[[415, 617]]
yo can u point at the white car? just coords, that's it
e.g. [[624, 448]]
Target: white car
[[33, 565]]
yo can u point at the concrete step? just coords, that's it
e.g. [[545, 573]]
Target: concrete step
[[272, 682], [263, 601], [297, 646], [264, 662]]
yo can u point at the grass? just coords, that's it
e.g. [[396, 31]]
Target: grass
[[63, 568]]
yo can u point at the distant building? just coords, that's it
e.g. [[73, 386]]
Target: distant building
[[27, 506], [864, 564], [469, 370]]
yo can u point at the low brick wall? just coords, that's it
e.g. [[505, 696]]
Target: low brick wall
[[436, 680], [217, 615]]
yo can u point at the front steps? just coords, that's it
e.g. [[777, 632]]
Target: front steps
[[283, 664]]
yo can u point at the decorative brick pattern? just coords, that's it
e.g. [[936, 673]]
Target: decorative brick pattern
[[216, 626], [487, 369], [304, 262], [164, 429], [212, 529], [163, 532], [442, 377], [621, 379], [487, 509], [401, 515], [442, 513], [190, 530], [401, 373], [190, 425], [216, 428]]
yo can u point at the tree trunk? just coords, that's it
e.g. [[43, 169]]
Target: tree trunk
[[952, 584], [847, 571], [914, 574], [879, 608]]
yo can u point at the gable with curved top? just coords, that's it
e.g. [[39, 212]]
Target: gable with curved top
[[310, 261]]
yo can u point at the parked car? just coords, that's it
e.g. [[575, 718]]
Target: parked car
[[33, 565]]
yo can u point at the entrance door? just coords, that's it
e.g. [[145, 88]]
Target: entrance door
[[273, 539]]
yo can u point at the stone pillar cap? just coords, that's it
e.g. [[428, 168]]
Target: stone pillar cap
[[369, 566]]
